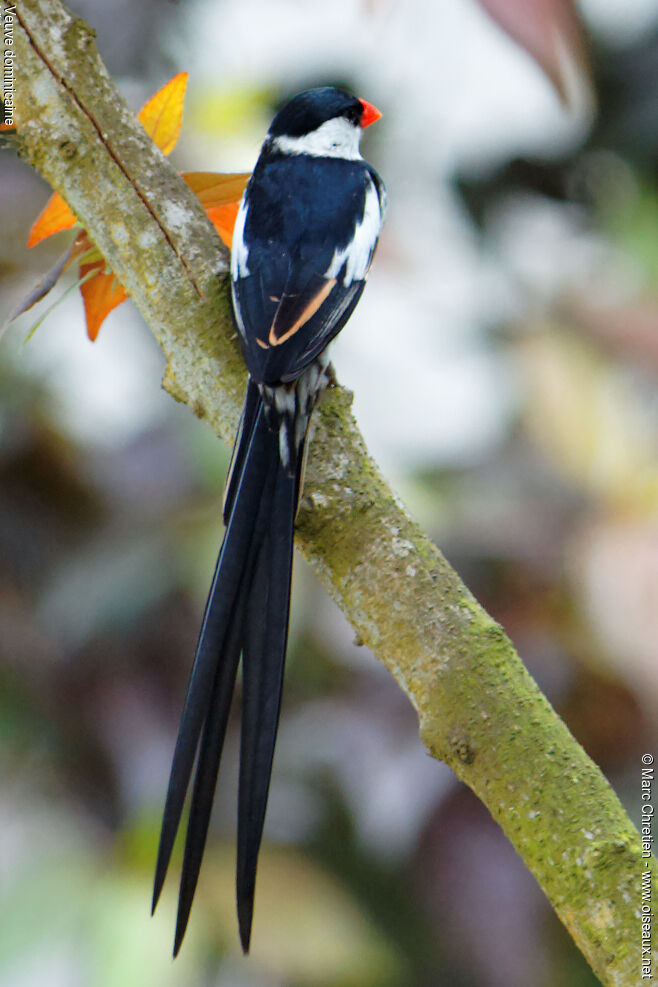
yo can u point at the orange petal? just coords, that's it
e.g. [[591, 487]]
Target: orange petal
[[220, 197], [162, 116], [100, 294], [56, 216], [223, 219], [213, 189]]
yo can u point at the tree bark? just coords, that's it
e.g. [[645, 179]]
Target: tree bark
[[479, 709]]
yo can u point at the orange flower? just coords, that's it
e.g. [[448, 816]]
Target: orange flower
[[219, 194]]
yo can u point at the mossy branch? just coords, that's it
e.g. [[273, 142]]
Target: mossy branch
[[479, 709]]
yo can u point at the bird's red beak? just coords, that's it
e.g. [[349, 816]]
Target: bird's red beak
[[370, 113]]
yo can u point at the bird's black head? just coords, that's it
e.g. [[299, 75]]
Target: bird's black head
[[307, 111]]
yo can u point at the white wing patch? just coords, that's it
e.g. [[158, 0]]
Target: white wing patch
[[357, 255], [239, 250]]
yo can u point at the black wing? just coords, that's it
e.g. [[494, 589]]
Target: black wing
[[299, 269]]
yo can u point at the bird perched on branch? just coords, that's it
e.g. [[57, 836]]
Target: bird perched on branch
[[303, 242]]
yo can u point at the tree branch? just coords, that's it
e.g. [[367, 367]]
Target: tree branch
[[479, 709]]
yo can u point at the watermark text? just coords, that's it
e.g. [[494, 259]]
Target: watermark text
[[8, 62], [646, 833]]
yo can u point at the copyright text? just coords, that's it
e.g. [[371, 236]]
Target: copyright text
[[646, 833]]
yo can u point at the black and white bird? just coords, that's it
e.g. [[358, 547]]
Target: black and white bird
[[303, 242]]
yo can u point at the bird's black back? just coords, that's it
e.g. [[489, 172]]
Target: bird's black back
[[301, 210]]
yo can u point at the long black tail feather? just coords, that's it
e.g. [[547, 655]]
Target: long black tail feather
[[247, 611], [263, 665], [252, 406], [214, 731], [219, 607]]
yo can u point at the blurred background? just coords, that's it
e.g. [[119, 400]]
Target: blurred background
[[504, 360]]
